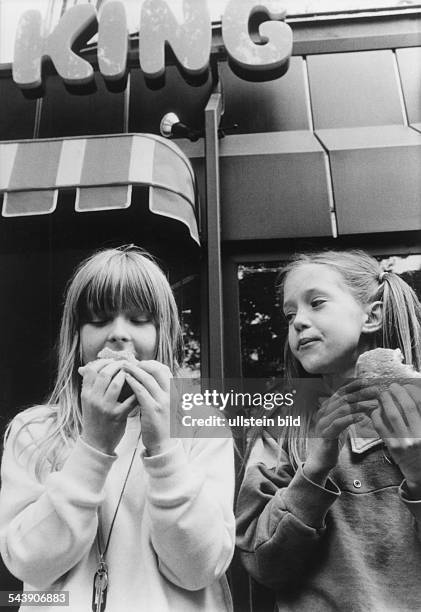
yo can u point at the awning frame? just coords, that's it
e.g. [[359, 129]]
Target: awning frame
[[43, 167]]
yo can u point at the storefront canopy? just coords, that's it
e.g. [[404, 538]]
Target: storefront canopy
[[103, 170]]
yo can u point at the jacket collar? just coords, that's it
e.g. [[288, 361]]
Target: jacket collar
[[363, 437]]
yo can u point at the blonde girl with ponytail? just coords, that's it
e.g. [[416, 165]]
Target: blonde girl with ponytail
[[328, 519]]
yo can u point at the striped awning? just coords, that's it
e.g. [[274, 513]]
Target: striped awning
[[103, 170]]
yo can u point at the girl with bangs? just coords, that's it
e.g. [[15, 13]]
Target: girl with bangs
[[329, 518], [97, 499]]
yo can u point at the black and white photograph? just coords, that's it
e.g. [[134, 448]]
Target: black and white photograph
[[210, 303]]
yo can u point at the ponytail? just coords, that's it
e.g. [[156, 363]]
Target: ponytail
[[401, 327]]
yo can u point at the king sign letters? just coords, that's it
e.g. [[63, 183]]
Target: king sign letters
[[190, 41]]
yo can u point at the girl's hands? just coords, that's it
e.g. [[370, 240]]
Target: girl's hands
[[150, 381], [398, 421], [348, 405], [103, 416]]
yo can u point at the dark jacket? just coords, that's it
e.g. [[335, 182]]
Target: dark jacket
[[351, 546]]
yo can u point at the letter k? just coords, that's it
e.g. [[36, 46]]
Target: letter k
[[78, 24]]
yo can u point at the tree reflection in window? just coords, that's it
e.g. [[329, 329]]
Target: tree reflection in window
[[187, 296]]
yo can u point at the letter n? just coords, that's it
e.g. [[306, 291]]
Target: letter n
[[190, 40], [32, 46]]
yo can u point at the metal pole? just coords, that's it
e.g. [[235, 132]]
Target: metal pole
[[213, 112]]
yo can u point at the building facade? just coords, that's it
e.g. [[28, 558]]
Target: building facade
[[327, 154]]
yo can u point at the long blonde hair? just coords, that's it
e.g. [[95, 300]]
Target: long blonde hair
[[109, 281], [367, 282]]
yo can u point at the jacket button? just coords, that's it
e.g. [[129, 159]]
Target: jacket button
[[357, 484]]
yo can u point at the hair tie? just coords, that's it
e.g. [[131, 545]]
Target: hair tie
[[382, 276]]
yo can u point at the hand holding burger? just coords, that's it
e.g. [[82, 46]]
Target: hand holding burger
[[106, 399], [123, 355], [397, 418]]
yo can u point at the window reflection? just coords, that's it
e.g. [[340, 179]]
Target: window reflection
[[187, 295]]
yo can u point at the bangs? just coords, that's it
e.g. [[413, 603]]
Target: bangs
[[119, 284]]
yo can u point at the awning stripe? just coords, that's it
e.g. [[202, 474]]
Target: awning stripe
[[71, 162], [103, 170], [106, 161], [172, 205], [171, 172], [36, 165], [7, 160], [142, 160]]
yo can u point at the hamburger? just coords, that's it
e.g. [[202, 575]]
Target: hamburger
[[384, 363], [123, 355]]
